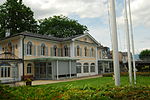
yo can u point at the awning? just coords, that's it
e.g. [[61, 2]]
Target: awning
[[54, 59]]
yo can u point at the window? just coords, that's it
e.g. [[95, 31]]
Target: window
[[10, 47], [92, 52], [78, 66], [29, 71], [92, 67], [78, 50], [55, 50], [85, 51], [86, 68], [66, 50], [43, 49], [5, 70], [29, 48]]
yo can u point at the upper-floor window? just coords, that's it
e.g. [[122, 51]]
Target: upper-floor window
[[85, 51], [66, 50], [92, 52], [29, 48], [9, 47], [55, 50], [78, 51], [43, 47]]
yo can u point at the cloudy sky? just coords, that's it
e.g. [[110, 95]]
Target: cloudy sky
[[94, 14]]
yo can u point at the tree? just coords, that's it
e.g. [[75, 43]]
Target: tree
[[16, 17], [61, 26], [145, 55]]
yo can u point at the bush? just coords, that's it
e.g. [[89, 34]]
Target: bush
[[126, 74]]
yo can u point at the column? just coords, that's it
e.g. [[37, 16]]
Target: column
[[70, 67], [57, 68]]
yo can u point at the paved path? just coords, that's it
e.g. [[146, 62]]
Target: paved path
[[41, 82]]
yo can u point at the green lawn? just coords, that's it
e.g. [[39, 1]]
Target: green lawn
[[101, 88], [99, 82]]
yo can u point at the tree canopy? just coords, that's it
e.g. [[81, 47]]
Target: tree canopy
[[61, 26], [145, 55], [16, 17]]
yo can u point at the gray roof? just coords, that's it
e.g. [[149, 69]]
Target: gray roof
[[49, 37]]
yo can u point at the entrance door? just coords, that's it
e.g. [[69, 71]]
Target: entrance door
[[42, 70]]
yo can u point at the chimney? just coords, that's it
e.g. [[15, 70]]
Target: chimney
[[7, 33]]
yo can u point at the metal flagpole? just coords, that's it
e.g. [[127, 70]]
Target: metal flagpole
[[114, 42], [128, 42], [132, 41]]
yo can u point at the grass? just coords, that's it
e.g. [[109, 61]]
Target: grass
[[98, 82], [101, 88]]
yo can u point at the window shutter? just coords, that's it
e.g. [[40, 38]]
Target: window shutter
[[80, 51], [94, 53], [34, 48], [46, 51], [52, 54], [39, 50], [75, 51], [59, 52], [62, 52], [25, 49], [69, 51]]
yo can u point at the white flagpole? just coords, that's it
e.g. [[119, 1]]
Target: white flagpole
[[128, 42], [132, 41], [114, 42]]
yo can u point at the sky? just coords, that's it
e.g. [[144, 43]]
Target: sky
[[95, 15]]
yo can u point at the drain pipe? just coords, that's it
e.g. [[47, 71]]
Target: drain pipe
[[23, 54]]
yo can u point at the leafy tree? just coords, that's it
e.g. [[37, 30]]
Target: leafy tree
[[145, 55], [61, 26], [16, 17]]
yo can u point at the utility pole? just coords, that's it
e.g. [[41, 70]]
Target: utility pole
[[128, 41], [132, 41], [114, 42]]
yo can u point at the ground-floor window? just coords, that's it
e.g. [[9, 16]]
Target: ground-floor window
[[85, 67], [5, 71], [29, 70], [78, 66], [92, 67]]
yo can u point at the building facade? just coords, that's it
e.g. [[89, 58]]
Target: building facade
[[46, 57]]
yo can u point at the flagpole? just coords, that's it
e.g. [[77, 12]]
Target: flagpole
[[114, 42], [132, 41], [128, 42]]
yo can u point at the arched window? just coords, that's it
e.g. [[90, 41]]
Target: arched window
[[85, 67], [78, 51], [10, 47], [92, 67], [66, 50], [55, 50], [29, 48], [92, 52], [85, 51], [29, 71], [43, 49], [78, 66]]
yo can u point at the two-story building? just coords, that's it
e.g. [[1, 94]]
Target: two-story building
[[48, 57]]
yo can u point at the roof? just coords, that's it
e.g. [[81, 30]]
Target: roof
[[54, 59], [49, 37]]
